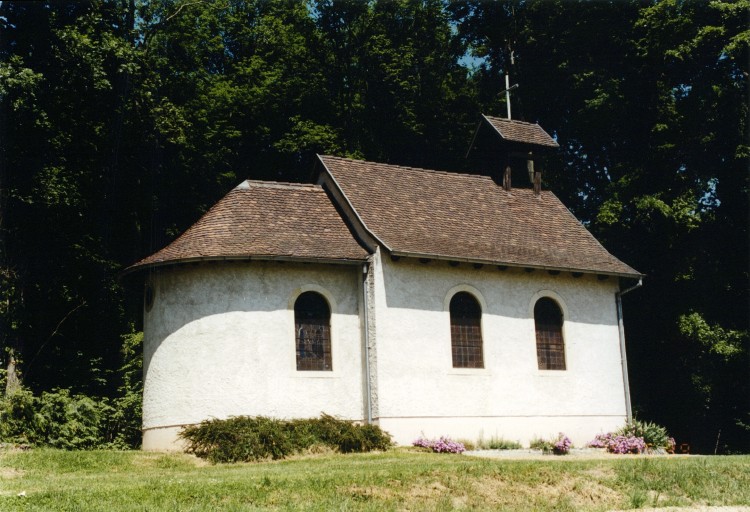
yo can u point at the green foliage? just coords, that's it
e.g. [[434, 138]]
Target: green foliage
[[726, 343], [18, 417], [243, 438], [538, 443], [655, 436], [123, 427], [62, 419], [57, 419], [238, 439], [665, 186], [124, 121], [559, 445], [71, 422], [469, 445], [495, 443], [342, 435]]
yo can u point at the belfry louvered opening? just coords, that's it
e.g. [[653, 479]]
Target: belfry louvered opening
[[312, 323], [466, 331], [550, 346]]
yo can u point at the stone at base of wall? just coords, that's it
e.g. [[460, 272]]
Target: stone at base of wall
[[163, 439]]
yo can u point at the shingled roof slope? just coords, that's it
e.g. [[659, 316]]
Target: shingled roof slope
[[468, 217], [520, 131], [266, 220]]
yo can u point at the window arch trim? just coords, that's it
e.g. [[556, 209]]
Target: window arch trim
[[468, 289], [313, 288], [554, 296]]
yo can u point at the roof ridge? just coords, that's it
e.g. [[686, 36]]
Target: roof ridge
[[278, 185], [410, 168], [505, 120], [435, 171]]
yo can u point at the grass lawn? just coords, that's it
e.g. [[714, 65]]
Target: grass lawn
[[400, 479]]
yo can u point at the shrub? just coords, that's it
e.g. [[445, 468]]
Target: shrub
[[18, 417], [635, 437], [655, 436], [62, 419], [496, 443], [344, 436], [503, 444], [238, 439], [600, 441], [57, 418], [70, 422], [541, 444], [122, 428], [559, 445], [244, 438], [618, 443], [441, 445], [562, 445], [468, 445]]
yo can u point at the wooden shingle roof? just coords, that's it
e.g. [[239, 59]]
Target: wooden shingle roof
[[265, 220], [463, 217], [520, 131]]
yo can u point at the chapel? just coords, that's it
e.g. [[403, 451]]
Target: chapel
[[427, 302]]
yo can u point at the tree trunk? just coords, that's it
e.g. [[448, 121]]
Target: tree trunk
[[12, 381]]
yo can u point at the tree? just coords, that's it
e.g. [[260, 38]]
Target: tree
[[400, 93], [649, 105], [64, 74], [123, 121]]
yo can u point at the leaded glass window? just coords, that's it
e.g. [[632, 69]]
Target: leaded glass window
[[466, 331], [312, 323], [550, 347]]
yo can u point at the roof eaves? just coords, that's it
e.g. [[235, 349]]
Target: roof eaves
[[201, 259], [408, 254]]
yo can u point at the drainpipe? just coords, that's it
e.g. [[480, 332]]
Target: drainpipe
[[365, 305], [625, 380]]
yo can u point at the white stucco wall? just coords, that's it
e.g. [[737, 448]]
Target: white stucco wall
[[419, 392], [219, 342]]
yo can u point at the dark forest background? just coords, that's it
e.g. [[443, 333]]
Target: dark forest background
[[122, 121]]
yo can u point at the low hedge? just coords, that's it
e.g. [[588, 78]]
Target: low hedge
[[245, 438]]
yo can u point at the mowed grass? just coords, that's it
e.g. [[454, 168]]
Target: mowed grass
[[399, 479]]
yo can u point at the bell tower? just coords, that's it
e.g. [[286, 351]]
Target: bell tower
[[512, 151]]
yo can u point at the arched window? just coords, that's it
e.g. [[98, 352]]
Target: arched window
[[312, 324], [550, 347], [466, 331]]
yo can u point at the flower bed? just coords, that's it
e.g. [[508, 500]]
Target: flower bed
[[619, 444], [636, 437], [441, 445]]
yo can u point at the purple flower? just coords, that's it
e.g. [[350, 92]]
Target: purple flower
[[442, 445], [619, 444], [562, 445]]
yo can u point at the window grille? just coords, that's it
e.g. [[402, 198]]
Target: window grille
[[466, 331], [550, 347], [312, 324]]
